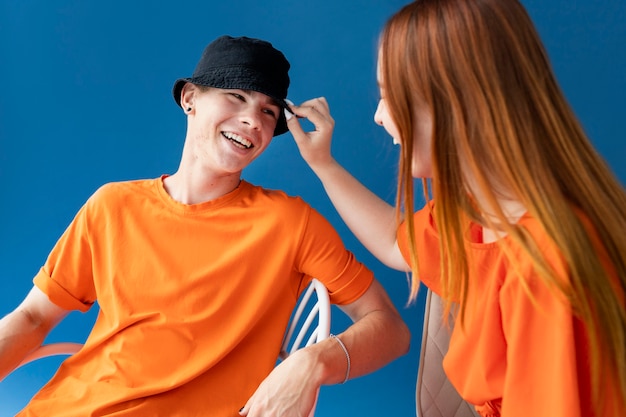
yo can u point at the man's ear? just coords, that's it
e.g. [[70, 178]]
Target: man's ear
[[187, 97]]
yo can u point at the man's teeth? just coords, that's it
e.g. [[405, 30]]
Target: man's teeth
[[238, 139]]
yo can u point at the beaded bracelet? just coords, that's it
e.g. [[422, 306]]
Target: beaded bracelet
[[347, 356]]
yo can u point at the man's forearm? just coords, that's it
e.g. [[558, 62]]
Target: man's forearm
[[377, 337], [19, 335], [371, 343]]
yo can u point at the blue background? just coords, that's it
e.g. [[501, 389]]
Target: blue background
[[86, 100]]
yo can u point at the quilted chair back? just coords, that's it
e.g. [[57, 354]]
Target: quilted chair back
[[435, 396]]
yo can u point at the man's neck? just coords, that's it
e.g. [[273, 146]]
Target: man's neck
[[193, 189]]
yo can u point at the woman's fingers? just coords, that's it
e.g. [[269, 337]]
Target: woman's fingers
[[314, 145]]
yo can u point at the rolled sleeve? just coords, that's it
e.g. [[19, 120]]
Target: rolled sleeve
[[57, 294]]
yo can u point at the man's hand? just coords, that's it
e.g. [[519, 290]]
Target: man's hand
[[288, 391]]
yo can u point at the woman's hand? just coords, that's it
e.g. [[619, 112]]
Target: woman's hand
[[314, 146]]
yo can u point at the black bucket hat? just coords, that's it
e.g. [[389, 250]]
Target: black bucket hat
[[242, 63]]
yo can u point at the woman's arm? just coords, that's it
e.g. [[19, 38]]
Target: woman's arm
[[371, 219]]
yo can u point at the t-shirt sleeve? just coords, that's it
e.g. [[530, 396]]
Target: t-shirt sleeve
[[427, 247], [324, 256], [66, 277], [539, 373]]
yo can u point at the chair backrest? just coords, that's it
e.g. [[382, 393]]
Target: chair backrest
[[435, 395], [299, 328], [52, 349], [318, 307]]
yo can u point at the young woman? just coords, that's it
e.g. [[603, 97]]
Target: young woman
[[524, 224]]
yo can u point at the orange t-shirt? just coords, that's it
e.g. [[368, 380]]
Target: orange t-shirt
[[194, 299], [511, 358]]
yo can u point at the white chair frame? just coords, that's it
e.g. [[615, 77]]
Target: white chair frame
[[52, 349], [320, 309]]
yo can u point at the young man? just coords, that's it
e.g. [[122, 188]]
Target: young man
[[196, 273]]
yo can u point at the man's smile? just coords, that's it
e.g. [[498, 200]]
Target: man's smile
[[238, 140]]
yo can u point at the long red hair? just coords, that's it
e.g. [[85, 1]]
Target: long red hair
[[498, 113]]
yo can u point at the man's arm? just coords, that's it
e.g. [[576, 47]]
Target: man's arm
[[377, 337], [26, 327]]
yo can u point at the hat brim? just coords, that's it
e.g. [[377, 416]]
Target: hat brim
[[281, 124]]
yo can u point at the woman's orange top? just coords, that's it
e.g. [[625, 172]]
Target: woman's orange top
[[512, 357]]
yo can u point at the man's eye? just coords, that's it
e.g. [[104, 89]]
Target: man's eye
[[238, 96], [270, 112]]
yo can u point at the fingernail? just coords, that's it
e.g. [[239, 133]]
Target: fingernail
[[288, 114]]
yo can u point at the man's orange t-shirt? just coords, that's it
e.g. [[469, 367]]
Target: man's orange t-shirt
[[194, 299], [512, 357]]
